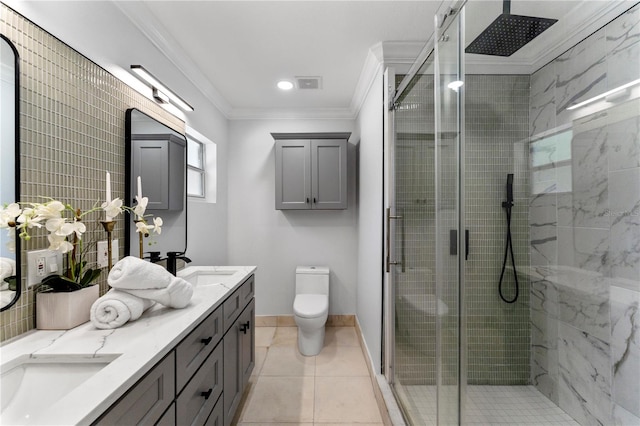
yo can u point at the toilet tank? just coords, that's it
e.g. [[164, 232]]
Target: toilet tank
[[312, 280]]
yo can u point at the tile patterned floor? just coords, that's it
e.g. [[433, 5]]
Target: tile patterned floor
[[330, 389], [494, 405]]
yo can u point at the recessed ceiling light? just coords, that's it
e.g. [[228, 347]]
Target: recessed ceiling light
[[285, 85]]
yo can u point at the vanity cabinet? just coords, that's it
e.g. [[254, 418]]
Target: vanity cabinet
[[201, 380], [160, 161], [147, 400], [311, 171], [239, 346]]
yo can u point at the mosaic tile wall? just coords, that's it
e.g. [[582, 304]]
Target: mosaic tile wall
[[585, 231], [72, 130], [496, 136]]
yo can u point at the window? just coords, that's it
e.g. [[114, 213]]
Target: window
[[201, 167], [551, 163], [195, 169]]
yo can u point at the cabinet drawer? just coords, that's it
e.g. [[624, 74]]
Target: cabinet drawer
[[199, 396], [216, 418], [247, 290], [148, 399], [169, 417], [237, 301], [194, 349]]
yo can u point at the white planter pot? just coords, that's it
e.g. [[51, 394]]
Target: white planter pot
[[62, 311]]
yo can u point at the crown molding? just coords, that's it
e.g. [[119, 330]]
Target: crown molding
[[583, 21], [140, 15], [400, 54]]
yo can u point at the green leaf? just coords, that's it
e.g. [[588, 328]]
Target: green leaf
[[89, 276]]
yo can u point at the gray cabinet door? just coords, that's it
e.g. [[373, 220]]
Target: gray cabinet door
[[232, 376], [247, 341], [150, 161], [147, 400], [329, 173], [293, 174], [160, 161]]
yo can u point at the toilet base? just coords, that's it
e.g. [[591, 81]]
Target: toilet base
[[310, 343]]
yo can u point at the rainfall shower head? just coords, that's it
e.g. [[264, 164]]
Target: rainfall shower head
[[508, 33]]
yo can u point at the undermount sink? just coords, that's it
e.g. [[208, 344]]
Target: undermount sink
[[31, 384], [207, 275]]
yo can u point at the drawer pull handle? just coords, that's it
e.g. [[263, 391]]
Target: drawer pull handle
[[244, 327], [206, 341], [206, 394]]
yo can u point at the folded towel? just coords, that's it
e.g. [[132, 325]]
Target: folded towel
[[176, 295], [134, 273], [7, 267], [116, 308]]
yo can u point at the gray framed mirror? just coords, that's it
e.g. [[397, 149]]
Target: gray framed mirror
[[10, 286], [158, 155]]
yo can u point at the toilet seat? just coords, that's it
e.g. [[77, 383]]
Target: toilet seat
[[310, 305]]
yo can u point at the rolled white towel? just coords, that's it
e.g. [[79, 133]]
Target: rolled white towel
[[7, 267], [116, 308], [134, 273], [176, 295]]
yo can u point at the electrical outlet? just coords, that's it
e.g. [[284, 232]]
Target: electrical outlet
[[41, 264], [103, 259], [103, 256]]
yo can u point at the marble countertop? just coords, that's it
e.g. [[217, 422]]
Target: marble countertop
[[139, 345]]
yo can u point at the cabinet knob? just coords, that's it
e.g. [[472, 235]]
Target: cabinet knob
[[206, 394], [307, 200], [244, 327], [206, 341], [314, 200]]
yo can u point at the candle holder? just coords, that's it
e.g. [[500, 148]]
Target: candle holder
[[140, 237], [108, 227]]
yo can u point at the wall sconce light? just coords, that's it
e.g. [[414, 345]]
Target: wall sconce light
[[161, 93]]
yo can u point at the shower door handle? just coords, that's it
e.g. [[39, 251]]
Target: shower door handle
[[389, 262]]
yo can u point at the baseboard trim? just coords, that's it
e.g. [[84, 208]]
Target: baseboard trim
[[288, 321], [382, 403]]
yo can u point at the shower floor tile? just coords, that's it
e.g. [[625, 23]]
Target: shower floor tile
[[492, 405]]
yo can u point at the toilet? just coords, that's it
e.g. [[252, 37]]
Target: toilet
[[311, 307]]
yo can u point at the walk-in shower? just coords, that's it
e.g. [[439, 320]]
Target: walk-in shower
[[565, 348]]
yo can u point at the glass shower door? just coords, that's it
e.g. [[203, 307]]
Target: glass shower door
[[424, 240], [450, 236]]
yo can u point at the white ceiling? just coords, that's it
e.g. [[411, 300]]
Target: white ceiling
[[235, 51]]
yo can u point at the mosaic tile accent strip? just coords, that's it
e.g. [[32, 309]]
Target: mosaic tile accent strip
[[72, 130]]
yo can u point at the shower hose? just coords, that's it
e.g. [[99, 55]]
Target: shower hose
[[508, 249]]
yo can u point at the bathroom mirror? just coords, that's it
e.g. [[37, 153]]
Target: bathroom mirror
[[9, 170], [158, 155]]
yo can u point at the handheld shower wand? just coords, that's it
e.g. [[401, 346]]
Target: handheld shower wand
[[507, 205]]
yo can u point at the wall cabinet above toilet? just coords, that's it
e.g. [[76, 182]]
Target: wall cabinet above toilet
[[311, 171]]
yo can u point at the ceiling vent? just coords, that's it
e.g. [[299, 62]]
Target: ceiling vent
[[309, 82]]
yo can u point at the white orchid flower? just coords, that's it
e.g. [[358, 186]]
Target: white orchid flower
[[28, 219], [157, 223], [54, 225], [143, 228], [141, 206], [9, 214], [59, 243], [113, 208], [69, 228], [50, 210]]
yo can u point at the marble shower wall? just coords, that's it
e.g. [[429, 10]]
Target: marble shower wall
[[585, 235]]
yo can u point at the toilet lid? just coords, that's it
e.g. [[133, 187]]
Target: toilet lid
[[311, 305]]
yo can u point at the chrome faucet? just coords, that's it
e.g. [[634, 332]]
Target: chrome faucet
[[172, 257]]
